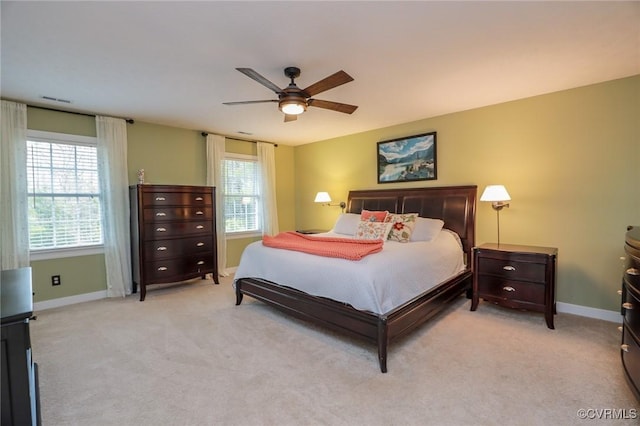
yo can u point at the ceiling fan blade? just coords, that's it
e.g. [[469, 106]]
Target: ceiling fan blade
[[330, 82], [290, 117], [334, 106], [260, 79], [249, 102]]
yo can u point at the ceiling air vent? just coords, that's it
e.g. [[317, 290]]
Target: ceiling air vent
[[51, 98]]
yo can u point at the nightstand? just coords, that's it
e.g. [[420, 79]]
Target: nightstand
[[515, 276], [311, 231]]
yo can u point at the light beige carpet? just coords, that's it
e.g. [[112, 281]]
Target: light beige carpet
[[188, 356]]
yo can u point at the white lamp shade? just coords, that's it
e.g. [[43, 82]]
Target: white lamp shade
[[322, 197], [495, 193]]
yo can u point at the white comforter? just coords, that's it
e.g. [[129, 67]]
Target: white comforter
[[378, 283]]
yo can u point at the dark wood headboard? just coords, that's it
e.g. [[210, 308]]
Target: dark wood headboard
[[456, 205]]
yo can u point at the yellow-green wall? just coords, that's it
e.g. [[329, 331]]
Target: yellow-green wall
[[169, 155], [570, 161]]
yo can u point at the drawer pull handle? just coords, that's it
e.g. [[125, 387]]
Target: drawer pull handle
[[633, 271], [199, 212], [160, 214], [199, 198], [200, 227], [201, 262], [508, 288], [161, 248], [162, 268], [161, 229], [620, 292], [627, 305], [200, 244], [161, 199], [624, 348], [509, 268]]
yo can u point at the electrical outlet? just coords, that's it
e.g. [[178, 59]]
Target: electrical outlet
[[55, 280]]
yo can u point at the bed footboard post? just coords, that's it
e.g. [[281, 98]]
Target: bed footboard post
[[238, 293], [383, 342]]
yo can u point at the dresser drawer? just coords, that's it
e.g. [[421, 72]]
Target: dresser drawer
[[161, 230], [166, 270], [164, 198], [632, 267], [513, 269], [177, 213], [630, 351], [165, 249], [631, 309], [510, 290]]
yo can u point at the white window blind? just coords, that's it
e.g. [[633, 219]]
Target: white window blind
[[242, 198], [63, 194]]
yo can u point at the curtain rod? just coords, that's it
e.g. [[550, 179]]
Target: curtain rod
[[128, 120], [131, 121], [205, 134]]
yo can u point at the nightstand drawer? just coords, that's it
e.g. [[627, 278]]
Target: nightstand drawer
[[511, 290], [513, 269]]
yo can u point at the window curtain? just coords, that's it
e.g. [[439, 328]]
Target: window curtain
[[267, 166], [14, 213], [114, 189], [215, 163]]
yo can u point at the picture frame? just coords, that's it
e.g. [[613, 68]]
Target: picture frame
[[408, 159]]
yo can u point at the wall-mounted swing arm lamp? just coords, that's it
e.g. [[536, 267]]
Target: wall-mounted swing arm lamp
[[325, 200], [497, 194]]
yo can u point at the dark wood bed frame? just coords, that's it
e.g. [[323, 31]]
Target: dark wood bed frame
[[454, 204]]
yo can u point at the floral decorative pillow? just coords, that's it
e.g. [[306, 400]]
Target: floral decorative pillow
[[373, 216], [373, 230], [402, 226]]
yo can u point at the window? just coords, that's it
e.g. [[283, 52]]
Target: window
[[241, 195], [63, 192]]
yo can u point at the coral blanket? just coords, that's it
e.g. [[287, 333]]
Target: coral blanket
[[344, 248]]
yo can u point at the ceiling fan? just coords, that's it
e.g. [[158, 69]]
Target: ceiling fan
[[292, 100]]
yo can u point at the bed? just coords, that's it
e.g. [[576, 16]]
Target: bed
[[373, 322]]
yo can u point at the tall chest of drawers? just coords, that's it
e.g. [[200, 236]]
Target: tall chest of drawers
[[173, 234], [630, 349]]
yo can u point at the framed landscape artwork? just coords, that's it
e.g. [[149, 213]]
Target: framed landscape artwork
[[407, 159]]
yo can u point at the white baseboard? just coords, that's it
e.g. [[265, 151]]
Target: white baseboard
[[567, 308], [585, 311], [71, 300]]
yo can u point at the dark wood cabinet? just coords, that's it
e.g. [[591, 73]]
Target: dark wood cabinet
[[173, 234], [20, 395], [630, 348], [515, 276]]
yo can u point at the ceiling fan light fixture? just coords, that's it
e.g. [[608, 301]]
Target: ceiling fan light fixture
[[293, 106]]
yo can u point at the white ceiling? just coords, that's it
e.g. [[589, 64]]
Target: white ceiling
[[174, 63]]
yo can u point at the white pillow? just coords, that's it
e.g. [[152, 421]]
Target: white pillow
[[426, 229], [347, 224]]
